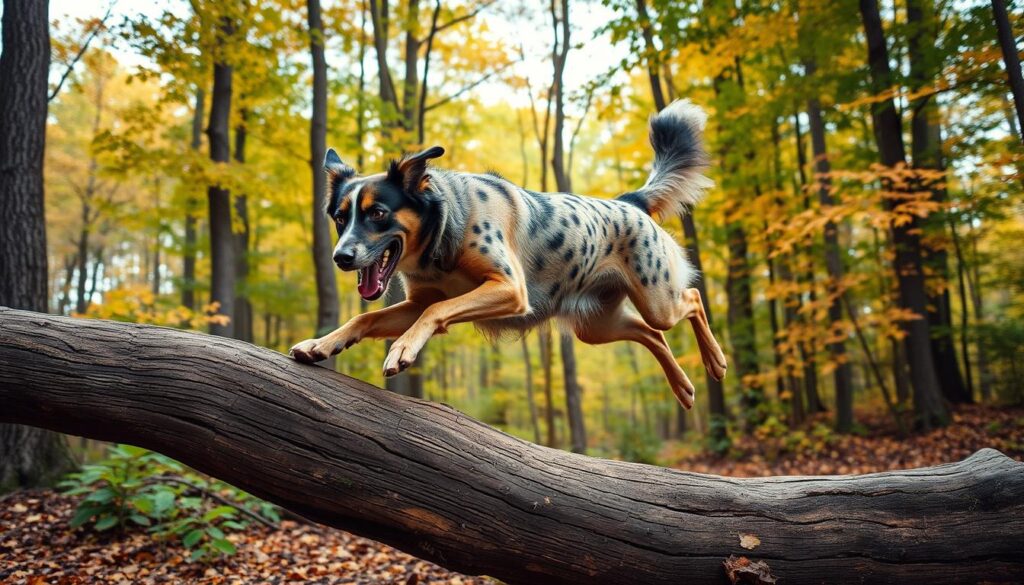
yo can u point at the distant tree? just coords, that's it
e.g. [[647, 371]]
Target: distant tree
[[651, 56], [222, 245], [561, 28], [326, 285], [928, 406], [28, 456], [1011, 59], [927, 156], [188, 275]]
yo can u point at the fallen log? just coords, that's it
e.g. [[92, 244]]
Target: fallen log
[[440, 485]]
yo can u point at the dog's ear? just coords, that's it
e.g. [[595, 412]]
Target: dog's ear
[[337, 170], [411, 172]]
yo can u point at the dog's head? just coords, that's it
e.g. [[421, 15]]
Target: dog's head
[[379, 218]]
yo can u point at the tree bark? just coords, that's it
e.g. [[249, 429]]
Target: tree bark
[[410, 85], [381, 21], [546, 351], [28, 457], [927, 156], [928, 406], [1011, 58], [326, 285], [222, 245], [435, 483], [531, 402], [717, 427], [243, 308], [843, 376], [188, 263], [573, 395]]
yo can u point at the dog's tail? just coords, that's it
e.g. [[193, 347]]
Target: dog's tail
[[676, 182]]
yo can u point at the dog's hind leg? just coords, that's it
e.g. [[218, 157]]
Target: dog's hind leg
[[616, 323], [710, 351], [387, 323]]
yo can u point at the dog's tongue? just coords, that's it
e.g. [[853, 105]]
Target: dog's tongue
[[370, 281]]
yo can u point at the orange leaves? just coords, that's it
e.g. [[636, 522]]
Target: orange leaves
[[815, 450]]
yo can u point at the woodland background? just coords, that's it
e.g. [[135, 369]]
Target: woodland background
[[859, 254]]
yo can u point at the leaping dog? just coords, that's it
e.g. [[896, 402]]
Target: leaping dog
[[477, 248]]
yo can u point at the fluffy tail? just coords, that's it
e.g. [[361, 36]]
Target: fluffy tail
[[676, 182]]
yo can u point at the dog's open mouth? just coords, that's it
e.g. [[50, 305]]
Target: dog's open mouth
[[373, 279]]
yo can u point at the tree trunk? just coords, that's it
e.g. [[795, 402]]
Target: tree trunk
[[1011, 58], [716, 393], [573, 395], [222, 245], [716, 396], [381, 21], [926, 154], [843, 376], [157, 245], [28, 456], [740, 317], [546, 351], [410, 85], [326, 285], [531, 402], [81, 302], [343, 453], [560, 53], [243, 308], [188, 268], [928, 406], [974, 284]]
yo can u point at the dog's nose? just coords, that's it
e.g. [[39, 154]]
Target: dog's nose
[[344, 259]]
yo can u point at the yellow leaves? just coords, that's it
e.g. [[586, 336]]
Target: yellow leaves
[[749, 541], [137, 304]]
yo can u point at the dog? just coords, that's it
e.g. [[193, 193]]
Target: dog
[[477, 248]]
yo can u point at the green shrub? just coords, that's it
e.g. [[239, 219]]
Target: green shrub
[[134, 487]]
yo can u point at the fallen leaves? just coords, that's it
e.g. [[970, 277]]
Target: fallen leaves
[[743, 570], [878, 449], [38, 547], [749, 541]]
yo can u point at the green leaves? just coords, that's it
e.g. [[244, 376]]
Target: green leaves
[[193, 537], [134, 488]]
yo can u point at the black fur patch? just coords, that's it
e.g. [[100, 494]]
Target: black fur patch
[[636, 199]]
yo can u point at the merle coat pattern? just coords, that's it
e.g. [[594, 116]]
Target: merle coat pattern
[[476, 247]]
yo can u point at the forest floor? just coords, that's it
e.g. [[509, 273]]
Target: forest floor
[[37, 547], [875, 446]]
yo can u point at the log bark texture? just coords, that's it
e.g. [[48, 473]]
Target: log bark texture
[[438, 484]]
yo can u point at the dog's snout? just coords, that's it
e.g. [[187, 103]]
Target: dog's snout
[[344, 258]]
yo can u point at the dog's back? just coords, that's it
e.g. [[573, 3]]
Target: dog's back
[[577, 254]]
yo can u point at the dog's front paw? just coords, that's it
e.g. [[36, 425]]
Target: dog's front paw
[[310, 351], [399, 358]]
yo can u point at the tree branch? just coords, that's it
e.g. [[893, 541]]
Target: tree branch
[[467, 88], [480, 8], [81, 51], [214, 496]]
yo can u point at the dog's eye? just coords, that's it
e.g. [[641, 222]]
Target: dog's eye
[[340, 221], [376, 214]]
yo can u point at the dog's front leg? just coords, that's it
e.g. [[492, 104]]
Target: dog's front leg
[[387, 323], [493, 299]]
